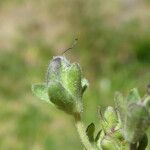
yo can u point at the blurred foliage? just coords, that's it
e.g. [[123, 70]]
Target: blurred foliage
[[113, 49]]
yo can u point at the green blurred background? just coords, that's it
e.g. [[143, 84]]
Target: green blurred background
[[113, 50]]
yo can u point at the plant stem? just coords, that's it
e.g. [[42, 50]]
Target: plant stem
[[143, 143], [133, 146], [82, 132]]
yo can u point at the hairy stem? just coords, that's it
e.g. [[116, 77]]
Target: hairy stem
[[133, 146], [143, 143], [82, 132]]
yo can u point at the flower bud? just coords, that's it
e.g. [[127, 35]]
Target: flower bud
[[137, 122], [111, 136], [136, 116], [108, 143], [110, 119], [64, 85]]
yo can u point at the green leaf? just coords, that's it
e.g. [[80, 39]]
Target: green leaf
[[71, 79], [110, 116], [90, 132], [41, 91], [147, 102], [121, 106], [54, 68], [98, 136], [85, 84], [133, 96], [63, 99]]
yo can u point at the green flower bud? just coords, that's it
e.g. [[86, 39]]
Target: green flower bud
[[110, 119], [117, 133], [111, 131], [135, 116], [64, 85], [137, 122], [108, 143]]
